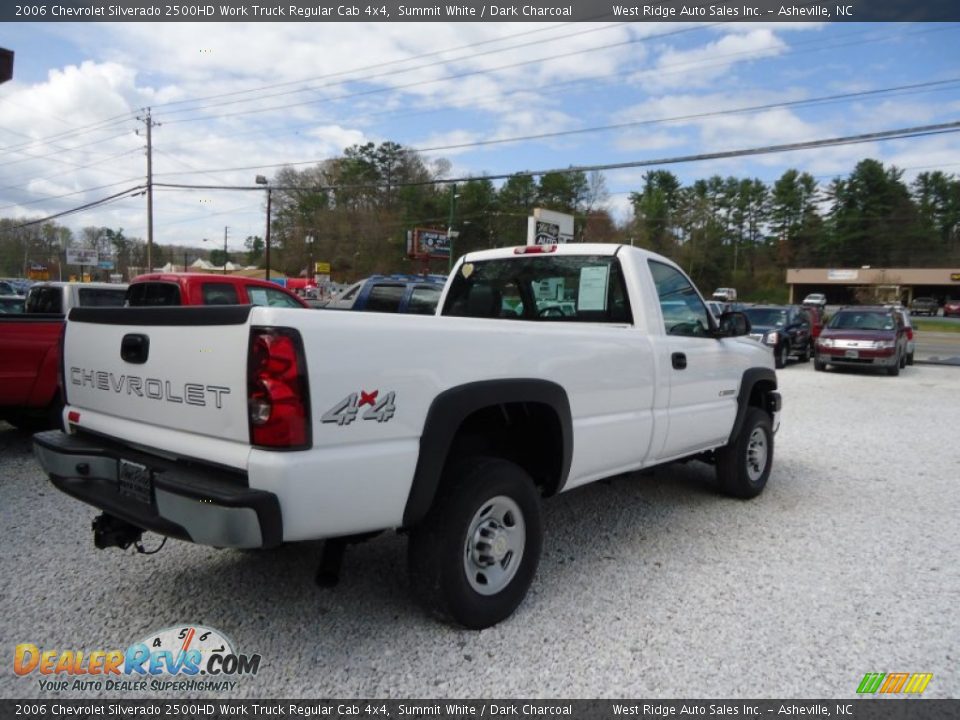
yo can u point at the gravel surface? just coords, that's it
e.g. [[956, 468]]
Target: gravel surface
[[649, 586]]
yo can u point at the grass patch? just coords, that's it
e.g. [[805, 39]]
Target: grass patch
[[936, 325]]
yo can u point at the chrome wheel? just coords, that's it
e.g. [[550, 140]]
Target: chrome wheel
[[757, 453], [494, 546]]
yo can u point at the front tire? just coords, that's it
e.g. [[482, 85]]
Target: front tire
[[909, 358], [473, 557], [743, 466], [894, 369], [780, 357], [807, 353]]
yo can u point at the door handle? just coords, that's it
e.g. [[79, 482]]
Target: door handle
[[679, 361], [135, 348]]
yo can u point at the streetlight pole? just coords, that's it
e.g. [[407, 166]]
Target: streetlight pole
[[261, 180], [225, 228], [453, 207]]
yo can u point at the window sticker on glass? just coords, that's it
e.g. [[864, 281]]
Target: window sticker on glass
[[593, 288]]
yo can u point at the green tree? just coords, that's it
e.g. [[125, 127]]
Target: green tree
[[655, 210], [255, 246]]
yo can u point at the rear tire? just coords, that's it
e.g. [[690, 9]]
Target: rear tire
[[743, 466], [473, 557], [807, 352]]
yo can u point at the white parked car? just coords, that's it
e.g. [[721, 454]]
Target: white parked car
[[818, 299]]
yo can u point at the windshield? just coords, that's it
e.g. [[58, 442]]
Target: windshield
[[766, 317], [862, 320]]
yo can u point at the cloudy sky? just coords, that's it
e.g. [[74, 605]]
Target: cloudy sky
[[239, 99]]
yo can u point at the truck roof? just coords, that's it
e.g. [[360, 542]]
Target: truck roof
[[561, 249]]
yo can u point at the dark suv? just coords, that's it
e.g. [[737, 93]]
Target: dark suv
[[414, 294], [924, 306], [863, 337], [787, 329]]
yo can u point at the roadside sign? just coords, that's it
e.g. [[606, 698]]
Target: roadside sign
[[82, 256], [322, 268]]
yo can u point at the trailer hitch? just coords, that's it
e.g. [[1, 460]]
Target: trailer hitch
[[110, 531]]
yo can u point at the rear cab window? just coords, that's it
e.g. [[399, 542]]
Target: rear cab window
[[153, 294], [570, 288], [101, 297], [45, 300]]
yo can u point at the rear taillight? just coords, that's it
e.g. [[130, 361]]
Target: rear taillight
[[278, 397]]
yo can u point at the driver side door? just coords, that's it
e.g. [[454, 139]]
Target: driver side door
[[703, 381]]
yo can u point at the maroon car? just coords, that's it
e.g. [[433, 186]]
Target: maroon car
[[951, 308], [863, 337]]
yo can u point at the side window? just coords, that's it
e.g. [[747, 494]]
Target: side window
[[219, 294], [423, 300], [351, 293], [683, 311], [276, 298], [45, 300], [385, 298]]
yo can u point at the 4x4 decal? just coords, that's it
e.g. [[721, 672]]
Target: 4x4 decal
[[346, 411]]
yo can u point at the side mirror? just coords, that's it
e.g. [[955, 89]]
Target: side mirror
[[733, 324]]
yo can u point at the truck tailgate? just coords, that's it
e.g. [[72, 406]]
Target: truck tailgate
[[181, 368]]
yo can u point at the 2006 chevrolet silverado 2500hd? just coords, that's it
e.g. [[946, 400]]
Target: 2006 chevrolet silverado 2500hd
[[546, 368]]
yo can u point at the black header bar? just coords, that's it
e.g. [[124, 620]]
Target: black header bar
[[480, 11]]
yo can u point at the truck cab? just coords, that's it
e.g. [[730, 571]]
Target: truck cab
[[172, 289]]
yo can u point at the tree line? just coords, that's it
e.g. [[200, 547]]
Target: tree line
[[725, 231]]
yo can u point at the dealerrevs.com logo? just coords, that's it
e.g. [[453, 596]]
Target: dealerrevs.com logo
[[178, 659]]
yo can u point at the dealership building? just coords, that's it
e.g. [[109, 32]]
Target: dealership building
[[867, 284]]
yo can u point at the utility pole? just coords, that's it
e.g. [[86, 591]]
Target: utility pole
[[267, 249], [262, 180], [148, 120], [453, 208]]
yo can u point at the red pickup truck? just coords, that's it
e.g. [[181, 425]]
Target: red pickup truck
[[30, 343], [165, 289]]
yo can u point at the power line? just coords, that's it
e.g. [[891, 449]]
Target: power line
[[695, 116], [388, 63], [62, 149], [88, 165], [716, 113], [88, 206], [458, 76], [69, 194], [901, 133], [664, 70], [82, 130]]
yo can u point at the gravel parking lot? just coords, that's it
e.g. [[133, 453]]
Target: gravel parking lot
[[649, 586]]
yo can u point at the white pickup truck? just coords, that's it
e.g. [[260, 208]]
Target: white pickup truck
[[546, 368]]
